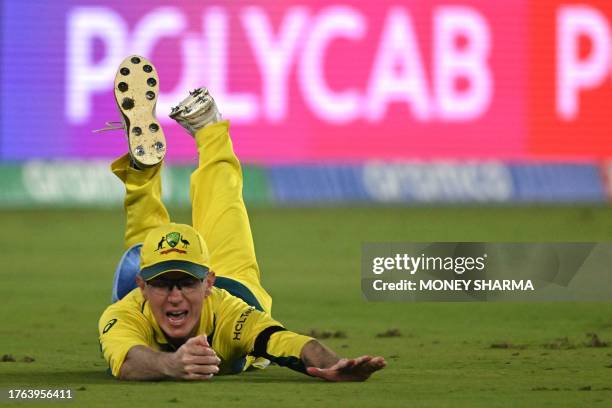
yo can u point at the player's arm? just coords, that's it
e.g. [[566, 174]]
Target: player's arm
[[143, 363], [261, 336], [194, 360], [309, 356]]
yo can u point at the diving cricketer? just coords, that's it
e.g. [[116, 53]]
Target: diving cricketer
[[188, 300]]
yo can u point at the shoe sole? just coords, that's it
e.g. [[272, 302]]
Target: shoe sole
[[136, 92], [185, 112], [180, 108]]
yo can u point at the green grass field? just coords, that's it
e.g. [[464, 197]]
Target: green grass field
[[57, 268]]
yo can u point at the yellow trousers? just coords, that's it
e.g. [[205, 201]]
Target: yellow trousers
[[218, 210]]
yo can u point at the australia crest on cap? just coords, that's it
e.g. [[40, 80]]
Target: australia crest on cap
[[172, 239]]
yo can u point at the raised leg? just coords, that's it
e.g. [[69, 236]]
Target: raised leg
[[144, 208], [219, 213]]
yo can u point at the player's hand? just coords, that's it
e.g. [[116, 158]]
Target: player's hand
[[354, 369], [194, 360]]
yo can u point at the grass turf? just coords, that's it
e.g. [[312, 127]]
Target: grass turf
[[57, 268]]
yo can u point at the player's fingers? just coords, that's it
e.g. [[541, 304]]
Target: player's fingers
[[202, 340], [203, 360], [201, 369], [200, 350], [357, 369], [204, 351], [191, 345], [350, 364], [192, 340], [342, 363], [362, 360], [378, 362], [326, 374], [361, 363], [364, 370]]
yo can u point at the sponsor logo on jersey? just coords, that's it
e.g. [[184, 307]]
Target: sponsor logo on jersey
[[240, 323]]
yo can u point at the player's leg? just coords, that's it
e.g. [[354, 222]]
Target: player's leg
[[218, 209], [144, 209], [136, 89]]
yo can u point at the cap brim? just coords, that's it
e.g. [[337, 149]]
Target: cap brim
[[198, 271]]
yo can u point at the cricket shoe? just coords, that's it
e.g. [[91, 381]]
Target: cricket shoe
[[196, 111], [136, 91]]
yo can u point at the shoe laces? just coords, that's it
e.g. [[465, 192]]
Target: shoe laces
[[112, 125]]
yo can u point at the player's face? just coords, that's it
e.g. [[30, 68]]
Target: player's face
[[176, 302]]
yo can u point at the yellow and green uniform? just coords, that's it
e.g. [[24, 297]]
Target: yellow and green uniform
[[236, 331], [219, 215]]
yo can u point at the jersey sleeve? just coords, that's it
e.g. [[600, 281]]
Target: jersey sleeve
[[119, 331], [256, 333]]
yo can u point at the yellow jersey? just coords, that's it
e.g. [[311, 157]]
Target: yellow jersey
[[237, 332]]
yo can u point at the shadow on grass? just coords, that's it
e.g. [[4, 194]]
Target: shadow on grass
[[58, 377], [277, 377], [63, 378]]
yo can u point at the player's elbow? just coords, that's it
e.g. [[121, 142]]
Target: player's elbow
[[125, 372]]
